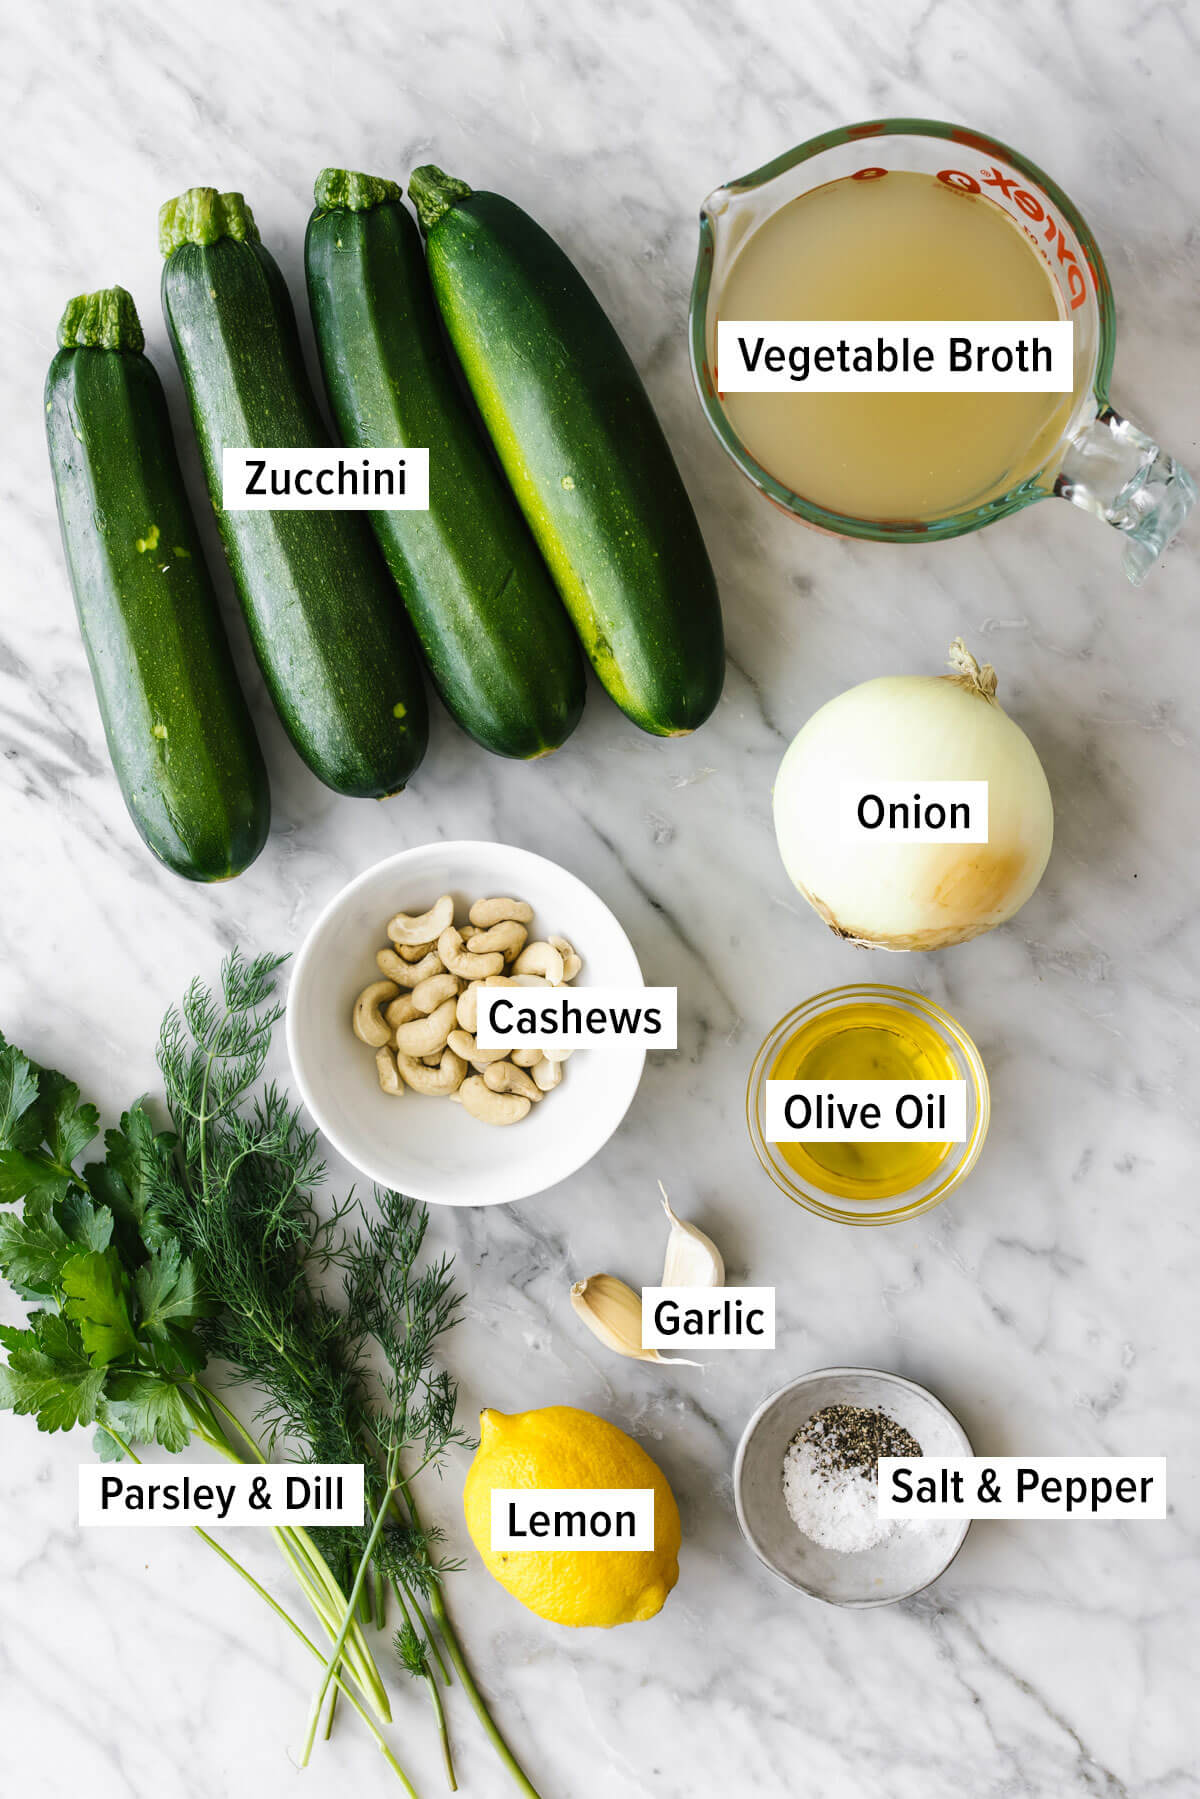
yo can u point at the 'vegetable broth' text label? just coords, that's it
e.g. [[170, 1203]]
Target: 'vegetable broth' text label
[[823, 356]]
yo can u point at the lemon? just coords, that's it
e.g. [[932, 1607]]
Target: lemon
[[560, 1446]]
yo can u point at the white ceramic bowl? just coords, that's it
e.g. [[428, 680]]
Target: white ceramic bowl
[[431, 1148], [895, 1569]]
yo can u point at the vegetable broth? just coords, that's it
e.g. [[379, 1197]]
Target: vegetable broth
[[903, 246], [865, 1041]]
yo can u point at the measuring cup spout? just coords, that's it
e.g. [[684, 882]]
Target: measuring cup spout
[[1112, 469]]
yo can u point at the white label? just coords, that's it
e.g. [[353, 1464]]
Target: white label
[[866, 1112], [573, 1518], [724, 1317], [201, 1493], [568, 1017], [1013, 1486], [325, 480], [915, 812], [899, 356]]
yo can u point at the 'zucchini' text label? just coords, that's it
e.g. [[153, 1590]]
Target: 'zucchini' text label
[[325, 480]]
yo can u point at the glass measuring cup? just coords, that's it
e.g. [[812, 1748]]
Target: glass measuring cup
[[1101, 460]]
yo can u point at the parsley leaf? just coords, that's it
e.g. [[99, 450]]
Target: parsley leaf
[[18, 1089], [48, 1376], [33, 1247], [144, 1409], [94, 1284], [137, 1159]]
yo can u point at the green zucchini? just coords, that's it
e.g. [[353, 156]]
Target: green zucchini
[[583, 450], [497, 640], [330, 635], [178, 729]]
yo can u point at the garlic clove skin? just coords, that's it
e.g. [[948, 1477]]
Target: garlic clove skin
[[692, 1259], [612, 1312]]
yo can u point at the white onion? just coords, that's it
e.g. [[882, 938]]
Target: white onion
[[914, 728]]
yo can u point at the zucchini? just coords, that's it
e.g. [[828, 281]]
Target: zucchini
[[583, 450], [178, 729], [496, 638], [330, 635]]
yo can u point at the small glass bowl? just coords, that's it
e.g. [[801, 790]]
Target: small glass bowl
[[959, 1161]]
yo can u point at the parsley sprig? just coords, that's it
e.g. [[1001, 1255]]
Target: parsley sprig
[[203, 1244]]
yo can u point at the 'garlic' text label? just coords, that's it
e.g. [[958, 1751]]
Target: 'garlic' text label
[[914, 812], [573, 1518], [569, 1017], [325, 480], [866, 1112], [881, 356], [720, 1317], [1013, 1486]]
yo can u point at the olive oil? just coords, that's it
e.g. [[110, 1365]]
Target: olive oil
[[905, 246], [865, 1040]]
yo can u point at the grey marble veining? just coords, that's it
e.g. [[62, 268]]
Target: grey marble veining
[[1050, 1303]]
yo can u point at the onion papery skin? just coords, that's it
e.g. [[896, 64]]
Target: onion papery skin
[[912, 729]]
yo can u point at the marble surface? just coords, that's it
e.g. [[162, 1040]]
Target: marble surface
[[1051, 1304]]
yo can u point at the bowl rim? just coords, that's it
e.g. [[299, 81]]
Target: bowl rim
[[739, 1460], [943, 1183], [448, 847]]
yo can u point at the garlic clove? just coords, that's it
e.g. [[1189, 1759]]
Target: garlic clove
[[612, 1312], [692, 1259]]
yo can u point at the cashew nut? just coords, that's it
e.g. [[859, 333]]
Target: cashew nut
[[468, 1001], [463, 1044], [441, 1082], [369, 1026], [458, 961], [424, 927], [547, 1074], [487, 912], [540, 958], [385, 1067], [492, 1108], [412, 952], [572, 962], [526, 1056], [428, 995], [426, 1036], [505, 1077], [408, 974], [508, 937], [554, 1052], [400, 1011]]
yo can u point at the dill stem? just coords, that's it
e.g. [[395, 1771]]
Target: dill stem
[[437, 1606], [352, 1599], [244, 1573], [439, 1714], [309, 1567]]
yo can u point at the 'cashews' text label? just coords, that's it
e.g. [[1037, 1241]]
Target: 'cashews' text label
[[197, 1493], [720, 1317], [1013, 1486], [882, 356], [866, 1112], [914, 812], [573, 1518], [325, 480], [568, 1017]]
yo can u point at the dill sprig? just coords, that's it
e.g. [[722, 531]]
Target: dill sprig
[[347, 1378]]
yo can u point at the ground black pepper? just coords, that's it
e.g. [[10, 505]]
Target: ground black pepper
[[848, 1437]]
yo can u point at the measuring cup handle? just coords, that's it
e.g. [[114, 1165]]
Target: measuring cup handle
[[1115, 471]]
